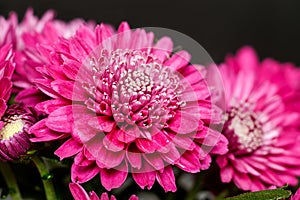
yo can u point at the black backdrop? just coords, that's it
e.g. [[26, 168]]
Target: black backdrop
[[271, 26]]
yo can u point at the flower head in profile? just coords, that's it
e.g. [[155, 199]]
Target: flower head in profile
[[127, 105], [261, 122], [15, 120], [79, 193]]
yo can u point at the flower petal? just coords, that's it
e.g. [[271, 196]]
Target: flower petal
[[113, 178], [167, 179], [78, 192], [68, 149]]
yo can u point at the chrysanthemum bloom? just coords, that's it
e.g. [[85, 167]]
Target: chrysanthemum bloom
[[262, 121], [29, 34], [128, 105], [79, 193], [15, 120]]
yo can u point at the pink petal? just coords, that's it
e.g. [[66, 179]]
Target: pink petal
[[111, 143], [113, 178], [178, 60], [183, 142], [104, 37], [123, 136], [5, 85], [61, 119], [3, 107], [226, 174], [167, 179], [134, 156], [70, 90], [51, 105], [247, 58], [43, 133], [139, 39], [189, 162], [145, 145], [83, 174], [242, 181], [83, 159], [45, 86], [71, 68], [30, 96], [78, 192], [68, 149], [155, 161], [133, 197], [104, 196], [146, 177], [124, 36], [163, 48], [108, 159], [102, 123], [222, 161], [172, 155], [93, 196], [183, 123], [221, 147]]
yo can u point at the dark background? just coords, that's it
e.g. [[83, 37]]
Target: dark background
[[272, 27]]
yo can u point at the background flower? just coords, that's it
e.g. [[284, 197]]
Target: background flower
[[15, 120], [32, 33], [261, 122]]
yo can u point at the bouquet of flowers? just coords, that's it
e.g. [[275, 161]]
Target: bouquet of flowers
[[92, 111]]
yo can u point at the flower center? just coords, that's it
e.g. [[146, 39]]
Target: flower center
[[244, 128], [12, 125], [136, 87]]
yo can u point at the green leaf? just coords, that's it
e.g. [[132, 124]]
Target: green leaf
[[276, 194]]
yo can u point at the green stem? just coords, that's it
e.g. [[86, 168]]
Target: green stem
[[46, 177], [10, 180]]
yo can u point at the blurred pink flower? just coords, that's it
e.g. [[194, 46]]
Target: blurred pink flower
[[32, 34], [262, 122], [79, 193], [15, 120], [127, 105]]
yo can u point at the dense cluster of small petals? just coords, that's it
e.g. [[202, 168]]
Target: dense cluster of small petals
[[127, 105]]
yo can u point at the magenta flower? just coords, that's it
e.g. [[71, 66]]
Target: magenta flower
[[79, 193], [29, 34], [127, 105], [15, 120], [261, 122]]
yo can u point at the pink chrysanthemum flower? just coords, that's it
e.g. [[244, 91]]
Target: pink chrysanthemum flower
[[79, 193], [261, 122], [34, 33], [128, 105], [15, 120]]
